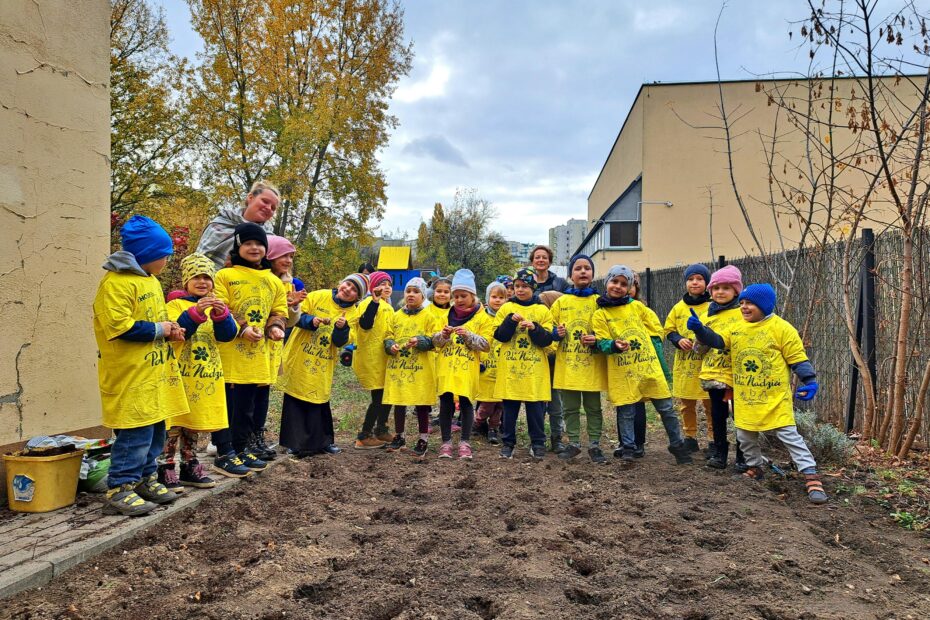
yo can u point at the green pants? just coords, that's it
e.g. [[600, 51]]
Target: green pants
[[571, 408]]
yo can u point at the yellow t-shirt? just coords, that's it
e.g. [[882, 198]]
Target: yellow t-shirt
[[762, 354], [458, 368], [716, 363], [440, 314], [577, 367], [253, 295], [369, 360], [139, 381], [310, 355], [686, 371], [635, 374], [523, 367], [410, 376], [489, 375], [276, 347], [202, 374]]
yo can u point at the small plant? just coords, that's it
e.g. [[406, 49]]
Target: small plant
[[826, 442]]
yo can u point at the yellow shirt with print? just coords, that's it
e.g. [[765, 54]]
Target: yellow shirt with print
[[458, 368], [686, 371], [577, 367], [202, 374], [716, 364], [310, 355], [523, 367], [636, 373], [489, 374], [410, 376], [253, 295], [139, 381], [762, 355], [369, 360]]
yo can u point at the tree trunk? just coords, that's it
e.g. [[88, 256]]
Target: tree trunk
[[899, 382], [918, 418]]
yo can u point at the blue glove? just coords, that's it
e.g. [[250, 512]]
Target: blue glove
[[694, 323], [806, 391]]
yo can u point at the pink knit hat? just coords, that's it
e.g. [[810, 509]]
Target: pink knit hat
[[278, 247], [727, 275], [377, 278]]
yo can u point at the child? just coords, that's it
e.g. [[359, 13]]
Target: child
[[258, 301], [633, 369], [410, 375], [205, 320], [524, 326], [442, 298], [686, 386], [139, 389], [765, 349], [507, 281], [465, 334], [309, 359], [580, 373], [490, 409], [369, 361], [723, 315]]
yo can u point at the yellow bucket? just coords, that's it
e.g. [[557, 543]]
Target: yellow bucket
[[41, 483]]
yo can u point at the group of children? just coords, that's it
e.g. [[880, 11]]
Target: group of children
[[206, 361]]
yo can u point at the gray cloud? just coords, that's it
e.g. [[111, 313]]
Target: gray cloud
[[438, 148]]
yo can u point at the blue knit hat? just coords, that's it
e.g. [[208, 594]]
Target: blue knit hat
[[145, 239], [699, 270], [464, 280], [762, 295], [527, 276], [576, 258]]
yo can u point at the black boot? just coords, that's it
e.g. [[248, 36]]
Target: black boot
[[556, 445], [681, 453], [259, 448], [719, 458]]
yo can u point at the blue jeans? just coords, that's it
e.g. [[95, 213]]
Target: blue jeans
[[133, 454], [666, 410], [535, 420]]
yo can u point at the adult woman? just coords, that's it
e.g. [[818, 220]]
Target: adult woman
[[260, 205], [540, 259]]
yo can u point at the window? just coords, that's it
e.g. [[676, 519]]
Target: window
[[624, 234]]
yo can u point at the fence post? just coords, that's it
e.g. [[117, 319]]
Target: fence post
[[721, 262], [865, 324], [648, 282]]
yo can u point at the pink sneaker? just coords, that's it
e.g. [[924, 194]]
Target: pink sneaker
[[456, 427], [445, 450], [464, 450]]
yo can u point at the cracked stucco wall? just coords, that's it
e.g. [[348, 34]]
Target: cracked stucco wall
[[54, 211]]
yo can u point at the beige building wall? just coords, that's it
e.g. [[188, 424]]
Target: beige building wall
[[54, 211], [682, 160]]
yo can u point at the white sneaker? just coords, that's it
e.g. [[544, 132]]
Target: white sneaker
[[211, 449]]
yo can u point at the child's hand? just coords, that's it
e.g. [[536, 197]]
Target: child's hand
[[460, 331], [528, 325], [252, 334], [807, 391], [412, 343], [218, 305], [341, 321], [166, 328], [622, 345], [685, 344], [395, 349], [561, 331], [276, 333], [447, 331], [318, 320], [516, 318], [694, 323], [588, 340], [203, 304], [177, 333]]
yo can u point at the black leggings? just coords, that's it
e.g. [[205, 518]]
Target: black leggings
[[719, 412], [377, 412], [246, 406], [639, 423], [447, 410]]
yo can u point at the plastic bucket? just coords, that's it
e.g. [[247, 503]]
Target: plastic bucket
[[41, 483]]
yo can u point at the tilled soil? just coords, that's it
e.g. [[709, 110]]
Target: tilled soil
[[375, 535]]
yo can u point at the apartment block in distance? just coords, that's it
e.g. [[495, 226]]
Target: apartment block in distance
[[565, 238]]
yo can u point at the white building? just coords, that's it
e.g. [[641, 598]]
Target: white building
[[520, 251], [565, 239]]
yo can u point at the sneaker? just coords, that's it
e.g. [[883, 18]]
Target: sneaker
[[494, 437], [211, 449], [150, 489], [815, 492], [681, 453], [332, 449], [251, 461], [596, 455], [445, 450], [384, 436], [168, 476], [397, 443], [753, 473], [618, 452], [715, 462], [710, 450], [506, 452], [231, 465], [123, 500], [627, 454], [570, 452], [192, 475], [740, 467], [555, 445], [261, 449], [465, 450], [369, 443], [420, 449], [640, 451], [538, 452], [692, 444]]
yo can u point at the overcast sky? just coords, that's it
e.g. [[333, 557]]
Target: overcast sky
[[523, 99]]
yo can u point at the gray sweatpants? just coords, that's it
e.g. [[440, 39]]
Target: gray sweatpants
[[788, 436]]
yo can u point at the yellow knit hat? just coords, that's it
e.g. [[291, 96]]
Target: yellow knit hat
[[195, 265]]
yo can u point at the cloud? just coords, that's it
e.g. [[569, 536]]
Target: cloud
[[657, 19], [438, 148], [432, 86]]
